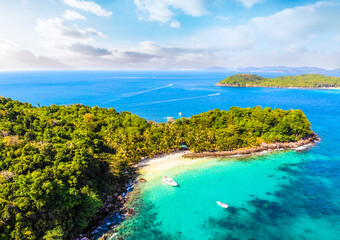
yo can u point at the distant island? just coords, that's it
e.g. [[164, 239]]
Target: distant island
[[276, 69], [65, 168], [300, 81]]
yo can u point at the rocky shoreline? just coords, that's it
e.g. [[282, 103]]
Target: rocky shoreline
[[114, 210], [311, 139]]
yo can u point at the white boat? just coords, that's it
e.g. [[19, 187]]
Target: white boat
[[224, 205], [169, 181]]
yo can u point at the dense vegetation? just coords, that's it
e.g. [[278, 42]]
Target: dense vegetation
[[300, 81], [57, 162]]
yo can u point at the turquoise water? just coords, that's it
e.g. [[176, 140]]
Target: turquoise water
[[276, 196], [286, 195]]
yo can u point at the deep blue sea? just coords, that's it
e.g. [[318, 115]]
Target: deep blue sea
[[286, 195]]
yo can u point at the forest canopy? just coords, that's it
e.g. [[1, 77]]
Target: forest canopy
[[57, 162], [300, 81]]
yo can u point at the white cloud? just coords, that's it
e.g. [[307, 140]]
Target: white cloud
[[89, 6], [175, 24], [283, 38], [163, 10], [67, 41], [231, 38], [163, 52], [126, 58], [71, 15], [305, 35], [289, 37], [249, 3], [300, 22], [59, 30], [13, 56], [77, 47], [175, 56], [147, 55], [304, 23], [90, 50], [294, 49]]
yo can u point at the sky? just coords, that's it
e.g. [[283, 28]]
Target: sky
[[168, 34]]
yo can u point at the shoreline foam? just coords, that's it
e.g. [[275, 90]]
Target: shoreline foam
[[149, 168], [264, 147], [164, 162]]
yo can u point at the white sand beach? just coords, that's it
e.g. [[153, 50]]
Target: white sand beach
[[165, 162]]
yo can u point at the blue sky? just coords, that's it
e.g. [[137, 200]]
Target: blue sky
[[175, 34]]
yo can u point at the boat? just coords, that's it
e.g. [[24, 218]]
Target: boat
[[224, 205], [169, 181]]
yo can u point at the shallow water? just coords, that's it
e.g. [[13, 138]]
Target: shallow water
[[277, 196], [286, 195]]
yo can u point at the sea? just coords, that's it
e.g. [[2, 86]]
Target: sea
[[283, 195]]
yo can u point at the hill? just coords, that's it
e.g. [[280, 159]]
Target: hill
[[59, 164], [300, 81]]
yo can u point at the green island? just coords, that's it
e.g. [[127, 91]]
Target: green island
[[59, 164], [300, 81]]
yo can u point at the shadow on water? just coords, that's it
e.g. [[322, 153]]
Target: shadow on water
[[307, 195]]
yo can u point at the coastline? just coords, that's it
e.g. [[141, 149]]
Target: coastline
[[163, 162], [311, 140], [252, 86], [149, 168]]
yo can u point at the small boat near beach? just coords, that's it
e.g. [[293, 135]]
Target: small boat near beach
[[169, 181], [224, 205]]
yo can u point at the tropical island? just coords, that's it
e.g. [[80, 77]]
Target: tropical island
[[59, 165], [300, 81]]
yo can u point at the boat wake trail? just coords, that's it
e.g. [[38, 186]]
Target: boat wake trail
[[173, 100], [127, 95]]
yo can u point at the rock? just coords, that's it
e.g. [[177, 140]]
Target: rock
[[272, 146], [130, 211], [281, 145], [262, 148], [142, 180], [8, 176]]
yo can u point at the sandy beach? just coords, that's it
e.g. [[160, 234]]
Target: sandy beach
[[163, 162]]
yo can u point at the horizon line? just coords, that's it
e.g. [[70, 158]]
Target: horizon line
[[216, 68]]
